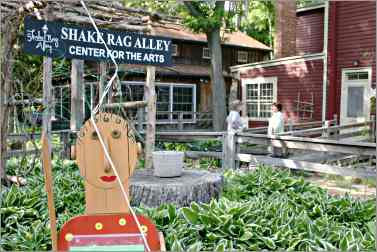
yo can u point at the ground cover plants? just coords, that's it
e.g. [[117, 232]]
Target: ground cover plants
[[264, 209]]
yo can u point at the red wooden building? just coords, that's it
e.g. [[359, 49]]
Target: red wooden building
[[333, 57]]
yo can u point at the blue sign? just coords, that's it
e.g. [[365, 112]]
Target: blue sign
[[56, 39]]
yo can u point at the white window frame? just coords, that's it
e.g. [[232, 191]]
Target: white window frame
[[242, 56], [204, 55], [171, 85], [258, 80], [174, 48], [343, 98]]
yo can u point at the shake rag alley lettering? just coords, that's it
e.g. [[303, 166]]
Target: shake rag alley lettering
[[56, 39]]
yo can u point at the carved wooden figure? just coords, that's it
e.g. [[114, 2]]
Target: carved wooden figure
[[102, 191], [107, 225]]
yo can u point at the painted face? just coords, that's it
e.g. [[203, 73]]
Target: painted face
[[120, 143]]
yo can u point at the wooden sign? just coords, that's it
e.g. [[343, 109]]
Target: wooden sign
[[102, 191], [107, 226], [57, 39]]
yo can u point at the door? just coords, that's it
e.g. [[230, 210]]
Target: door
[[355, 96]]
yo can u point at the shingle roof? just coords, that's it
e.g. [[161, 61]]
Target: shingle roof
[[177, 31], [111, 14]]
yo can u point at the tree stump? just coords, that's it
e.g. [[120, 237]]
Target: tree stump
[[151, 191]]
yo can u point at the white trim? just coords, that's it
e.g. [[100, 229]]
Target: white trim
[[344, 98], [205, 56], [277, 62], [171, 85], [258, 80], [325, 66], [311, 8], [174, 50]]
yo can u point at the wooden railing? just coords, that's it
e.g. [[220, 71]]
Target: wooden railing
[[231, 151], [231, 154]]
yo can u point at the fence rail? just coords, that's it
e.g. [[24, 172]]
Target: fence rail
[[231, 146]]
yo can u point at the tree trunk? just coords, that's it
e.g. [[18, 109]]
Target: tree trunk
[[217, 80], [8, 40]]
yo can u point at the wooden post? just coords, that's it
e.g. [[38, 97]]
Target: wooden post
[[325, 132], [290, 125], [180, 121], [47, 99], [140, 119], [150, 94], [47, 169], [336, 132], [11, 26], [372, 130], [233, 94], [77, 101], [229, 149], [102, 78]]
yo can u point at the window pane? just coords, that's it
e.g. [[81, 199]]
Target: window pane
[[252, 92], [182, 101], [355, 102], [357, 75], [163, 97], [252, 109]]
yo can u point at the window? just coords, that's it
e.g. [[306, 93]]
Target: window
[[258, 95], [174, 50], [242, 56], [183, 101], [357, 75], [172, 98], [206, 53]]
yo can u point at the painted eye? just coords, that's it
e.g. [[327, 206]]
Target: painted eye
[[94, 135], [115, 134]]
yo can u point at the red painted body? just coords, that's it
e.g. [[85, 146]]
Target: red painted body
[[86, 225], [294, 78], [351, 38], [309, 32]]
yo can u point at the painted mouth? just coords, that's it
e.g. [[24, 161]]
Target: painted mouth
[[108, 178]]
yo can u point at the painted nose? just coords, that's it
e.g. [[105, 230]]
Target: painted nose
[[107, 166]]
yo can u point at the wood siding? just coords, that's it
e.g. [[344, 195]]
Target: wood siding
[[191, 54], [309, 31], [352, 37], [304, 77]]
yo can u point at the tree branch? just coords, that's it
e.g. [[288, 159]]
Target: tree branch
[[192, 8]]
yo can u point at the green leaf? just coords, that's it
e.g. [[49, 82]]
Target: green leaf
[[220, 247], [372, 227], [197, 246], [246, 236], [268, 242], [344, 245], [191, 216], [172, 212], [177, 246]]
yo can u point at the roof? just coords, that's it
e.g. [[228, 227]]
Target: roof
[[176, 70], [276, 62], [178, 32], [113, 15], [309, 8]]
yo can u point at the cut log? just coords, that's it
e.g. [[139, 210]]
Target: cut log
[[134, 104], [192, 186]]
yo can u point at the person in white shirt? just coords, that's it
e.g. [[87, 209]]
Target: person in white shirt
[[276, 126], [234, 120]]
